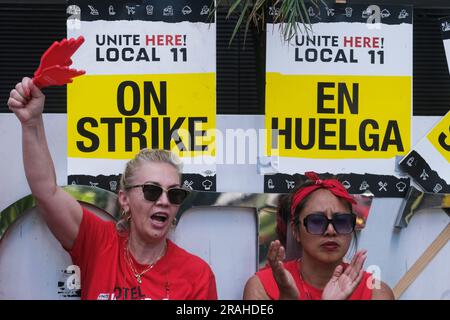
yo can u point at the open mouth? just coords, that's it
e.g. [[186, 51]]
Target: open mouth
[[160, 217]]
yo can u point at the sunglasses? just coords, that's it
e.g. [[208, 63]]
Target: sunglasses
[[152, 192], [317, 223]]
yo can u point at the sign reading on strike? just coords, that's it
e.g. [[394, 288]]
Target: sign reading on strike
[[150, 83]]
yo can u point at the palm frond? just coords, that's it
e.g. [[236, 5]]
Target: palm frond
[[254, 12]]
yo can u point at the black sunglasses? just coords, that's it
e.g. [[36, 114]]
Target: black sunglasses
[[152, 192], [317, 223]]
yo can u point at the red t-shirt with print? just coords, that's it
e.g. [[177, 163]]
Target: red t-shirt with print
[[99, 251], [307, 291]]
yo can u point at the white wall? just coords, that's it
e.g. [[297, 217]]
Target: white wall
[[14, 185]]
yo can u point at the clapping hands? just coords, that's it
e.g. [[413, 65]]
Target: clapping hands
[[344, 282]]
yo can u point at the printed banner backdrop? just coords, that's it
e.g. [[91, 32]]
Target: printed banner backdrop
[[339, 97], [150, 82], [428, 162], [445, 28]]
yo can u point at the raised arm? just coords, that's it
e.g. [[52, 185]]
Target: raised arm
[[61, 211]]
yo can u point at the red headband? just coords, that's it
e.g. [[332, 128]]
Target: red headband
[[334, 185]]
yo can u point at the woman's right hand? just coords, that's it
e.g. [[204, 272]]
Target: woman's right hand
[[26, 101], [284, 279]]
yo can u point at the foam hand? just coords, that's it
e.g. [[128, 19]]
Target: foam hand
[[56, 76]]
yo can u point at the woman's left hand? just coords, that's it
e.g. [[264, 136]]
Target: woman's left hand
[[344, 282]]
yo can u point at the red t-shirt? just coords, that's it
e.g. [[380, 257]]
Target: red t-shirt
[[307, 291], [99, 251]]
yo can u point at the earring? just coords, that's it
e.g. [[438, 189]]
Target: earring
[[174, 222], [125, 215]]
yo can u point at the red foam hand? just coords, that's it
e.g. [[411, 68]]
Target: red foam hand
[[56, 76], [59, 53], [53, 69]]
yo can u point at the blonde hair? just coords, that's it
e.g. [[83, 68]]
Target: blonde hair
[[143, 157]]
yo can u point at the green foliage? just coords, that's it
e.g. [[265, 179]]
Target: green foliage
[[289, 14], [15, 211]]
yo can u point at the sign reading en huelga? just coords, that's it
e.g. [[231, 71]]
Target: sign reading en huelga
[[445, 29], [428, 162], [342, 91], [150, 83]]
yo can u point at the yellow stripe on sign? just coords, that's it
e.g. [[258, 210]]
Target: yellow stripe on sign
[[114, 116], [439, 137], [338, 117]]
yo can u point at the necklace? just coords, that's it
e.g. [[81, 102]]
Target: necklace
[[138, 275], [303, 286]]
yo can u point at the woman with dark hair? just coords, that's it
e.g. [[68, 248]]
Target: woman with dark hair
[[322, 224]]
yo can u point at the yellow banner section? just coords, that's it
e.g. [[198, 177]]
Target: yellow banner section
[[338, 117], [439, 137], [114, 116]]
